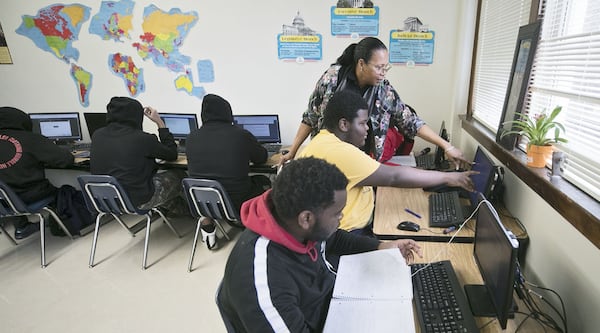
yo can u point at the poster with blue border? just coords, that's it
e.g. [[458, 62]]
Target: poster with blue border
[[299, 42], [412, 45], [300, 48], [355, 22]]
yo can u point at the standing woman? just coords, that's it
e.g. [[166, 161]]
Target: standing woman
[[362, 68]]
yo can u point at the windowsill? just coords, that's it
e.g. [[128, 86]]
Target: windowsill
[[578, 208]]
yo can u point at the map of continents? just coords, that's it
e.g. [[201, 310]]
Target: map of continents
[[113, 20], [53, 30], [163, 34]]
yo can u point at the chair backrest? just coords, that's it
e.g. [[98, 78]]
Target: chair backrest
[[104, 194], [10, 203], [206, 197]]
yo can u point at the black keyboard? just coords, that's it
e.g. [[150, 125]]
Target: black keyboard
[[272, 147], [81, 146], [445, 209], [426, 162], [440, 301]]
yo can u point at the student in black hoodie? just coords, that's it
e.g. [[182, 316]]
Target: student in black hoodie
[[222, 151], [278, 277], [123, 150], [24, 155]]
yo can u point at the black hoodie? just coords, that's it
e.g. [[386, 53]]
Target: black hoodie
[[24, 155], [124, 151], [222, 151]]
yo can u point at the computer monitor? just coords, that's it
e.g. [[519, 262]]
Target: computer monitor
[[180, 124], [264, 127], [94, 121], [483, 180], [60, 127], [495, 252], [439, 152]]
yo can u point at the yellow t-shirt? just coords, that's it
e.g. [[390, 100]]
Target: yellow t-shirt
[[356, 165]]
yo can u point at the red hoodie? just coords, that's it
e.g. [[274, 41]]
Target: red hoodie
[[257, 217]]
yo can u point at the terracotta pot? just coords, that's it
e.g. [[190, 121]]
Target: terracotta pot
[[538, 155]]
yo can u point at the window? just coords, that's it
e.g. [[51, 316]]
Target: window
[[566, 72], [499, 23]]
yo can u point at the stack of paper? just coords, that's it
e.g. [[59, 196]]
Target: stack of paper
[[372, 293]]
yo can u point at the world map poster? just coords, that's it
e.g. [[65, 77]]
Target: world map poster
[[55, 29]]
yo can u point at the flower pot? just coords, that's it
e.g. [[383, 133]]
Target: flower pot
[[538, 155]]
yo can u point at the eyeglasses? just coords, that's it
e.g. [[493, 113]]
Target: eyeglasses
[[382, 68]]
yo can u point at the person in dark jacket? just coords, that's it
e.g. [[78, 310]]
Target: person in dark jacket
[[123, 150], [24, 155], [277, 277], [222, 151]]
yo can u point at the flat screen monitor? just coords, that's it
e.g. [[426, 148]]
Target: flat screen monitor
[[264, 127], [484, 179], [439, 152], [180, 124], [94, 121], [60, 127], [495, 252]]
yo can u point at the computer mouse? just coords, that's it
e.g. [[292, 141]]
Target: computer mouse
[[408, 226]]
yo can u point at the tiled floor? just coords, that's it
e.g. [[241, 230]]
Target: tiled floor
[[116, 295]]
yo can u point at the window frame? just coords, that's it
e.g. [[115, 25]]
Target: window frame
[[577, 207]]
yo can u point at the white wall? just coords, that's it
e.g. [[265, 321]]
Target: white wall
[[558, 256], [240, 39]]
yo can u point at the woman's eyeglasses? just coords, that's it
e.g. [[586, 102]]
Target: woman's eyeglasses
[[382, 68]]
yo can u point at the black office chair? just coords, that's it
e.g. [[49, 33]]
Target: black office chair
[[207, 198], [12, 205], [104, 195]]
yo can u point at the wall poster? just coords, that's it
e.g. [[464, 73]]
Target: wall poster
[[4, 52]]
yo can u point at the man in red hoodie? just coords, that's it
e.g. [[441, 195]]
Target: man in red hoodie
[[278, 276]]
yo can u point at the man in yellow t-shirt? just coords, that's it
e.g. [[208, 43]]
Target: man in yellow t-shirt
[[345, 122]]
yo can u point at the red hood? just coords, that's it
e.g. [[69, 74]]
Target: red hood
[[257, 217]]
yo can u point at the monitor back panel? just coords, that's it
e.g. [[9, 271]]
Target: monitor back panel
[[94, 121]]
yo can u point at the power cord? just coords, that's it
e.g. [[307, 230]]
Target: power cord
[[534, 308]]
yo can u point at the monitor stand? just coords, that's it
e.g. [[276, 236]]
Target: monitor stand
[[480, 301], [180, 146]]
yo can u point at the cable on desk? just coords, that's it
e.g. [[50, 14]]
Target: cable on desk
[[432, 231], [484, 325]]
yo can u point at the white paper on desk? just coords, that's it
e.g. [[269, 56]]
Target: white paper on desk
[[372, 293], [406, 160], [380, 275], [371, 316]]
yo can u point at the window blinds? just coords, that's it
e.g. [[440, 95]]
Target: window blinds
[[498, 30], [566, 72]]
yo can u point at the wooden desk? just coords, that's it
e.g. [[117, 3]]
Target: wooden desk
[[389, 211], [268, 167], [461, 256]]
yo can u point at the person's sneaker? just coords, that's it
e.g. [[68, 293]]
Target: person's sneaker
[[210, 238], [26, 230]]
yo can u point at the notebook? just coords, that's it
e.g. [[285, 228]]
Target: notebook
[[264, 127], [372, 293]]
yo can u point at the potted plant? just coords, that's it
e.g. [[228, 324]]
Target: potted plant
[[536, 130]]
